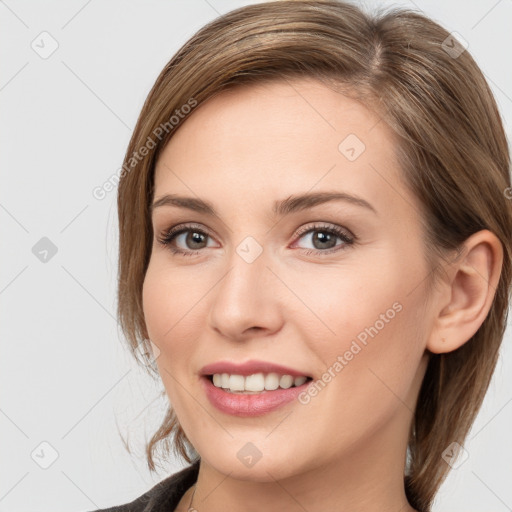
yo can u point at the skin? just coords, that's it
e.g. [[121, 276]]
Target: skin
[[345, 449]]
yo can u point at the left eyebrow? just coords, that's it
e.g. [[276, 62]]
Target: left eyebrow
[[281, 208], [304, 201]]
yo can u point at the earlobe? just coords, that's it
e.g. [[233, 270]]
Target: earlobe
[[468, 292]]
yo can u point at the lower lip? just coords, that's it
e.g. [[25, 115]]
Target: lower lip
[[257, 404]]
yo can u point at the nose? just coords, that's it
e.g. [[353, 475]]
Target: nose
[[246, 301]]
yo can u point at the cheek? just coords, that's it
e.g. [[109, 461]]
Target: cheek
[[368, 336], [168, 309], [161, 314], [155, 306], [174, 313], [168, 301]]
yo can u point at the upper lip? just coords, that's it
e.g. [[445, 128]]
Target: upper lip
[[248, 368]]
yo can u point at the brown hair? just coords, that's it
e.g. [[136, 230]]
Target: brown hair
[[452, 151]]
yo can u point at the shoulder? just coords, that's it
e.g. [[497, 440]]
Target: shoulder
[[164, 496]]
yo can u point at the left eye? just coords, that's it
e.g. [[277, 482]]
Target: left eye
[[324, 239]]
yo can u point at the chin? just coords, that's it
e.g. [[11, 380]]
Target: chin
[[254, 458]]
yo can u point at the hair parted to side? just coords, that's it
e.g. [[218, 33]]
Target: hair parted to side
[[450, 144]]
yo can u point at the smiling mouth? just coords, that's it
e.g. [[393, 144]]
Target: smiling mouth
[[256, 383]]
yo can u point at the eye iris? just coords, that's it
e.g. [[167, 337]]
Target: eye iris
[[324, 237], [195, 237]]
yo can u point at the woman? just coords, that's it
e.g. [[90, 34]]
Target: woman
[[315, 240]]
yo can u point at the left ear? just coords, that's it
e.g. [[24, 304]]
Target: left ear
[[467, 292]]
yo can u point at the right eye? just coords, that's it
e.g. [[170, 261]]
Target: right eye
[[189, 234]]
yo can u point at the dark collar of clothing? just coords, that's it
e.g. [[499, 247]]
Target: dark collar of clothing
[[164, 496]]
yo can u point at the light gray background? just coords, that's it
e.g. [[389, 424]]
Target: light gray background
[[66, 378]]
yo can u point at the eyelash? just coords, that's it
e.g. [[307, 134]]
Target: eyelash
[[167, 237]]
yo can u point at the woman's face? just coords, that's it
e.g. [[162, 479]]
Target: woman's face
[[333, 290]]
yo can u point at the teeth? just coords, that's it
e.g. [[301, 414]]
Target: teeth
[[271, 381], [299, 381], [286, 381], [236, 383], [256, 383]]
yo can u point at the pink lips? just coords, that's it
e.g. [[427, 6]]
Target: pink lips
[[256, 404], [248, 368]]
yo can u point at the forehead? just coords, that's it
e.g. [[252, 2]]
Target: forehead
[[279, 138]]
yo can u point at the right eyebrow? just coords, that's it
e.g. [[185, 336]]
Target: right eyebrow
[[191, 203]]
